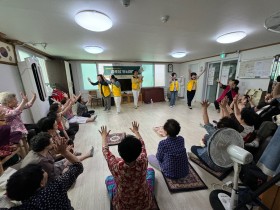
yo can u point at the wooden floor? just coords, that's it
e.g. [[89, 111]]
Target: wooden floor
[[89, 192]]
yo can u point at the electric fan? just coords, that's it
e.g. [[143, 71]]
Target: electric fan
[[272, 23], [225, 148]]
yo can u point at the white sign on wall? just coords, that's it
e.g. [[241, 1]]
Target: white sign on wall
[[211, 74]]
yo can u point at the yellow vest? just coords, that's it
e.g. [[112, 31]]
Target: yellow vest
[[191, 84], [135, 83], [171, 86], [105, 89], [116, 91]]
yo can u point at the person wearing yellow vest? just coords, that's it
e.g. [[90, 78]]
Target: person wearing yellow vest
[[192, 85], [173, 88], [117, 93], [104, 89], [136, 82]]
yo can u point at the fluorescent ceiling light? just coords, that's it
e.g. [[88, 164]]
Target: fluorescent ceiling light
[[231, 37], [178, 54], [93, 20], [93, 49]]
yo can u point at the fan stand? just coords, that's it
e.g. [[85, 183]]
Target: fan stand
[[220, 199]]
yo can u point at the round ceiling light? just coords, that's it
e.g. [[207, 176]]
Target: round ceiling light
[[231, 37], [93, 20], [178, 54], [93, 49]]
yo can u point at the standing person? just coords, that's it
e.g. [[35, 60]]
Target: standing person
[[104, 89], [230, 90], [117, 93], [173, 88], [192, 85], [136, 82]]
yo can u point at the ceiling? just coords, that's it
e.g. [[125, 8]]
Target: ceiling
[[138, 33]]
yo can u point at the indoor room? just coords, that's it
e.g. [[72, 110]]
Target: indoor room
[[139, 104]]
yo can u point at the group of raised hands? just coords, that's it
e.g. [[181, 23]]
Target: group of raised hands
[[60, 145], [72, 100]]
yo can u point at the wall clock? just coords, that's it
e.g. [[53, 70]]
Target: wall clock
[[170, 68]]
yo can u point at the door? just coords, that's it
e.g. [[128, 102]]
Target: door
[[228, 72], [212, 75]]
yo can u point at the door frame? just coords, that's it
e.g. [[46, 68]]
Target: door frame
[[220, 72]]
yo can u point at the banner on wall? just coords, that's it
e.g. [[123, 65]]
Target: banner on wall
[[120, 70]]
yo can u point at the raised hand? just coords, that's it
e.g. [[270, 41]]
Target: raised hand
[[135, 127], [235, 99], [89, 79], [33, 94], [24, 97], [224, 103], [103, 131], [65, 95], [60, 145], [205, 104]]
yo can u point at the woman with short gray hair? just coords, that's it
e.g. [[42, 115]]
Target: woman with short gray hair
[[12, 110]]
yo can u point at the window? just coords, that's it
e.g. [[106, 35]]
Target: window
[[159, 75], [89, 70], [148, 75]]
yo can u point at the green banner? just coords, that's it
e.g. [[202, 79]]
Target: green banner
[[120, 70]]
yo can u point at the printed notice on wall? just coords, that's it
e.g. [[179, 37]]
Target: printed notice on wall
[[224, 75], [211, 74]]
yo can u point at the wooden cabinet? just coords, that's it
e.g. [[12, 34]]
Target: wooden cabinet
[[155, 93], [128, 98]]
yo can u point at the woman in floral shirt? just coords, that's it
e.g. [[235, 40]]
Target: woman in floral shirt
[[132, 184], [12, 110]]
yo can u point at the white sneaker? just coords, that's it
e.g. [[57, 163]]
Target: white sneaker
[[254, 143], [171, 106]]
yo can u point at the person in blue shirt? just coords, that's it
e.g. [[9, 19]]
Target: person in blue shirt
[[171, 157]]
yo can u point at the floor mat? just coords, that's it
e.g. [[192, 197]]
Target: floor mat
[[154, 206], [159, 131], [115, 138], [218, 175], [191, 182]]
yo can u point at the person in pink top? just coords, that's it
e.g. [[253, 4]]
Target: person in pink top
[[230, 90], [131, 185], [12, 109]]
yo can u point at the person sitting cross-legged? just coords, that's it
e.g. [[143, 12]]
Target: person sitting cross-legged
[[42, 146], [29, 184], [131, 185], [171, 157], [202, 152]]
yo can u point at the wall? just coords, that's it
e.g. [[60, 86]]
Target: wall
[[261, 53], [77, 75], [245, 84], [10, 81]]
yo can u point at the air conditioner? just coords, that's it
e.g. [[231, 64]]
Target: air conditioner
[[32, 79]]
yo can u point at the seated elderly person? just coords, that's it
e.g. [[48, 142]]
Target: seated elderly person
[[8, 139], [200, 152], [42, 145], [29, 184], [13, 110]]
